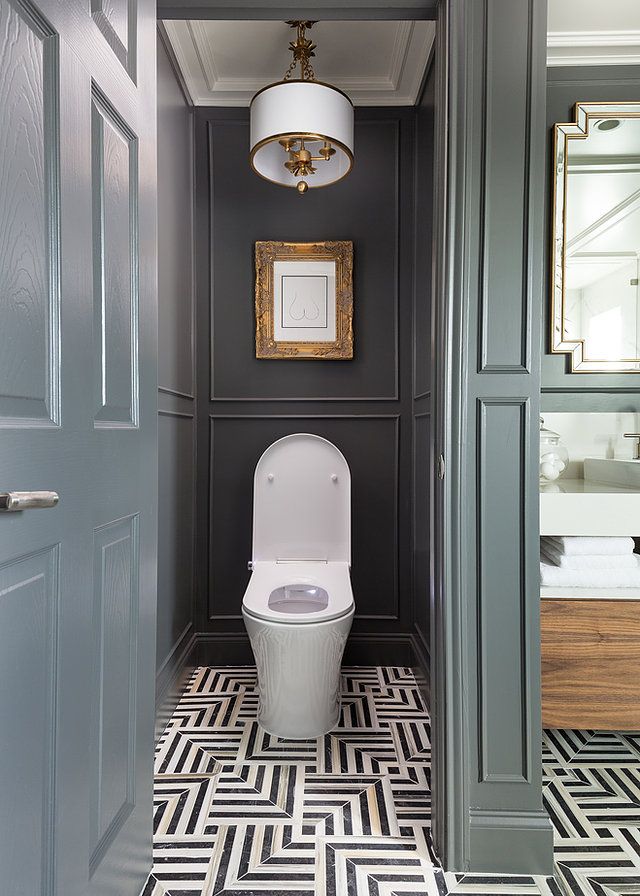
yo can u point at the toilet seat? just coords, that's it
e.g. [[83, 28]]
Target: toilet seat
[[267, 576]]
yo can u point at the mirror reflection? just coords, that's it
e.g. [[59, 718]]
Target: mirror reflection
[[596, 314]]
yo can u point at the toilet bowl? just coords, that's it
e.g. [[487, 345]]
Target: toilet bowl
[[299, 605]]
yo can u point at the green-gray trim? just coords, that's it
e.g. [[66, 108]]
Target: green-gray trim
[[490, 106]]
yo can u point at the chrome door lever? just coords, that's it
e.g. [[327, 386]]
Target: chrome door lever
[[13, 501]]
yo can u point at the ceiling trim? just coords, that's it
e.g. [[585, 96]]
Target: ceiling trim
[[593, 48], [207, 86]]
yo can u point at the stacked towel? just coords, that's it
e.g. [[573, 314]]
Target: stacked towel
[[589, 562], [581, 545]]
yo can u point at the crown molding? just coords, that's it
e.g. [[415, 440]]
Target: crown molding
[[593, 48], [207, 85]]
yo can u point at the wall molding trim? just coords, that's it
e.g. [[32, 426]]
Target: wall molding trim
[[593, 48], [241, 117]]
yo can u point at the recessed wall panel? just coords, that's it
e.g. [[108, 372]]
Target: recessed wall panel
[[115, 274], [370, 446], [364, 207], [28, 640], [505, 336], [421, 524], [115, 623], [503, 459], [29, 229], [175, 530]]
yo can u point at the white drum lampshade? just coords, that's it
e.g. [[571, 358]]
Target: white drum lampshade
[[302, 129]]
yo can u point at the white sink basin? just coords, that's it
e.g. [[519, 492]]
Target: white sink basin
[[585, 507], [609, 471]]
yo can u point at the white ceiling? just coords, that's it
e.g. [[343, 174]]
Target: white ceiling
[[377, 63]]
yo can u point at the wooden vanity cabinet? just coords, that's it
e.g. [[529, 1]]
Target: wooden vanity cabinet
[[591, 663]]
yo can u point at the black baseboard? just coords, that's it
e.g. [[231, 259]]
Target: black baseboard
[[363, 649], [224, 649], [172, 676], [233, 649], [379, 649], [422, 665]]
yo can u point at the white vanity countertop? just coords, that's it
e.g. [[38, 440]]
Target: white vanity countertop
[[590, 593], [583, 507], [585, 487]]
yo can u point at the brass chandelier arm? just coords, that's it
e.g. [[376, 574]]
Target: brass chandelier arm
[[300, 160]]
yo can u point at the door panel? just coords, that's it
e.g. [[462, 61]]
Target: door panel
[[28, 219], [115, 618], [78, 385], [116, 19], [28, 638], [115, 238]]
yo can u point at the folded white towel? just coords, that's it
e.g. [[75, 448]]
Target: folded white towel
[[589, 578], [590, 544], [582, 561]]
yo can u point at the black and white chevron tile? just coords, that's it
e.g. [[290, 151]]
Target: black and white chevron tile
[[238, 811]]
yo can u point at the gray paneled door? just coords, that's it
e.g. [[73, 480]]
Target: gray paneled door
[[77, 416]]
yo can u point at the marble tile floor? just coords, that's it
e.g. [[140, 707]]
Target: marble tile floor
[[240, 812]]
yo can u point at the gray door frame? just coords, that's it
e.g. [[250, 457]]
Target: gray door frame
[[487, 808], [489, 288]]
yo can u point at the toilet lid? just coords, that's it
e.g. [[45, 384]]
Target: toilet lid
[[299, 592], [302, 501]]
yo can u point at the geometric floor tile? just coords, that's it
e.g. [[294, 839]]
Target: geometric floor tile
[[180, 866], [600, 867], [413, 740], [356, 679], [355, 805], [258, 746], [358, 710], [398, 704], [229, 680], [559, 746], [192, 751], [239, 811], [256, 794], [215, 710], [181, 804], [606, 748], [360, 751], [256, 859], [411, 788], [376, 865]]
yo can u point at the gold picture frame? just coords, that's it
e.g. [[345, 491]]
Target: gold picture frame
[[304, 300]]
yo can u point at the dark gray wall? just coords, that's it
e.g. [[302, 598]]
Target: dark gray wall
[[364, 405], [422, 460], [562, 390], [176, 377]]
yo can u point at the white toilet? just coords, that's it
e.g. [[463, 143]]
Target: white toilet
[[298, 605]]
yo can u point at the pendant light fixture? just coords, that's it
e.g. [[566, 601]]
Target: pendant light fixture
[[301, 129]]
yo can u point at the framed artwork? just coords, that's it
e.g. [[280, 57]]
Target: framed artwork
[[304, 300]]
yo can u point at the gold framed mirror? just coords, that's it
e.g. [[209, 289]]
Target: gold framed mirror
[[595, 252]]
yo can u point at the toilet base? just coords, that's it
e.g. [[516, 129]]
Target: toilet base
[[298, 674]]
